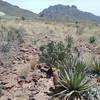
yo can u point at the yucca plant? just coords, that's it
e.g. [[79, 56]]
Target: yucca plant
[[73, 63], [80, 66], [96, 66], [72, 83]]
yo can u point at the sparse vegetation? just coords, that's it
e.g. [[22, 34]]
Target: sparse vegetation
[[63, 55], [96, 66], [23, 70], [92, 39], [54, 52], [72, 82]]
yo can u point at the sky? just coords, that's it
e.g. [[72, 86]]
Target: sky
[[37, 6]]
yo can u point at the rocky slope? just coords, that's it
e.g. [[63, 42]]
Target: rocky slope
[[20, 79], [12, 10], [21, 82]]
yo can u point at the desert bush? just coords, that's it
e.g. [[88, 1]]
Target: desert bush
[[9, 37], [23, 74], [23, 70], [34, 62], [54, 52], [20, 33], [71, 79], [5, 47], [77, 26], [69, 42], [22, 18], [92, 39]]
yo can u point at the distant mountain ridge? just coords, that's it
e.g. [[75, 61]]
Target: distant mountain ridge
[[56, 13], [68, 13], [12, 10]]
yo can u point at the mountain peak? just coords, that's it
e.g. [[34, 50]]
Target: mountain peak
[[68, 13], [60, 6], [74, 7]]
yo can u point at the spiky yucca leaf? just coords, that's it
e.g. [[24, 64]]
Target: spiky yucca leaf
[[80, 66], [73, 84], [96, 66], [72, 81]]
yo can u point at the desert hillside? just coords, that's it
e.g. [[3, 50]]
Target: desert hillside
[[22, 76], [9, 10], [51, 55]]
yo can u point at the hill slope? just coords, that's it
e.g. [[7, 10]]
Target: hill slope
[[69, 13], [12, 10]]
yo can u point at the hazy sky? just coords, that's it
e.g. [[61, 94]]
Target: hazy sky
[[38, 5]]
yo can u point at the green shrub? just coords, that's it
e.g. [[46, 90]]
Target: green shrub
[[92, 39], [5, 47], [72, 81], [54, 52]]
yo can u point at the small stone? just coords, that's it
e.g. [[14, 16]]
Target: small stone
[[23, 50], [8, 99]]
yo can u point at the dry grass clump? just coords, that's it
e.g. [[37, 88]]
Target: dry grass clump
[[23, 70], [34, 62]]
